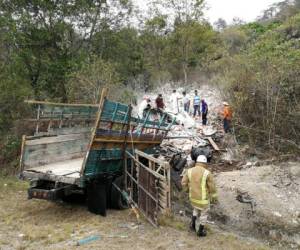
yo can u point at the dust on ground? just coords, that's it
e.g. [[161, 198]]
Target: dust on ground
[[272, 202], [37, 224]]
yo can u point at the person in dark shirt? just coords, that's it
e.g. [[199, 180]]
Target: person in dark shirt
[[204, 110], [160, 102]]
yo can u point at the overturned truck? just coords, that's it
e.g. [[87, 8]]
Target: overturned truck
[[86, 150]]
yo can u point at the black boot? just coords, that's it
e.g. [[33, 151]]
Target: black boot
[[193, 224], [201, 232]]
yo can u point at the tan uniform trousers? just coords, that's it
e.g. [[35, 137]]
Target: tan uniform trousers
[[201, 216]]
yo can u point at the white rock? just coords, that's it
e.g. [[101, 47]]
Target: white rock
[[277, 214]]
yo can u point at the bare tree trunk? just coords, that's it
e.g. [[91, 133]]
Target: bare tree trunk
[[185, 73]]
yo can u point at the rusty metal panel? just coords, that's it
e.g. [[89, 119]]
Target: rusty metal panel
[[148, 181]]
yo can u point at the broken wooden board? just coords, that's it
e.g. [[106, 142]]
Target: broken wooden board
[[214, 145]]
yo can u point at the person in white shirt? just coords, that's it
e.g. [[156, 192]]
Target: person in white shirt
[[174, 99], [143, 106], [186, 102]]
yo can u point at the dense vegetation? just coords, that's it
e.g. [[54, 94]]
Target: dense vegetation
[[260, 69], [67, 50]]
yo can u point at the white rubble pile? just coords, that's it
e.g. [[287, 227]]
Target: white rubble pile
[[209, 93], [189, 128]]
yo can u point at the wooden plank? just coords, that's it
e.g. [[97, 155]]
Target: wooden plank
[[22, 153], [55, 150], [59, 168], [61, 104], [58, 119], [214, 145], [101, 104], [41, 162], [56, 139]]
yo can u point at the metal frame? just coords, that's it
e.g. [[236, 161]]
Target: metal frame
[[148, 181]]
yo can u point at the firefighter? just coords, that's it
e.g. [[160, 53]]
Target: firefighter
[[198, 181]]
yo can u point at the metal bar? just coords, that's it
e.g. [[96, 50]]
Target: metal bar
[[38, 119], [145, 121], [115, 112], [125, 171], [149, 157], [179, 137], [121, 141], [147, 197], [141, 187], [132, 166], [127, 129], [135, 124], [61, 119], [145, 167], [50, 122], [143, 213]]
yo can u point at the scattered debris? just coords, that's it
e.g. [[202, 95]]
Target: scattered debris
[[215, 146], [244, 197], [116, 236], [131, 226], [87, 240]]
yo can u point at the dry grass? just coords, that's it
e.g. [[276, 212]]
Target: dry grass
[[35, 224]]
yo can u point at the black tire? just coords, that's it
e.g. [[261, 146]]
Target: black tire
[[180, 165], [116, 199], [96, 197], [176, 179], [74, 198], [175, 160]]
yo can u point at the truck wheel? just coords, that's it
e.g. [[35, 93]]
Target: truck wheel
[[180, 165], [116, 199], [74, 198], [96, 197]]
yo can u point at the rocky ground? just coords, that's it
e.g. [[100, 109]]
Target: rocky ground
[[256, 198], [274, 213], [36, 224]]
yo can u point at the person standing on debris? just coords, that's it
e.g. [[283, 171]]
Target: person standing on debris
[[160, 105], [204, 110], [186, 102], [144, 106], [198, 181], [174, 99], [227, 116], [196, 104]]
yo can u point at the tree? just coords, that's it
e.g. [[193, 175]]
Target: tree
[[185, 10], [190, 42], [51, 37], [154, 38], [220, 24], [85, 85]]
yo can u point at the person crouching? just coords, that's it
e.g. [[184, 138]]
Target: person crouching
[[198, 181]]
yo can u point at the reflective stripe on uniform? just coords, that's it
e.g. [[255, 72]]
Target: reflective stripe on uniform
[[190, 174], [199, 202], [204, 200], [214, 195], [203, 184]]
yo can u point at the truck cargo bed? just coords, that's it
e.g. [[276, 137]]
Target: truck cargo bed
[[69, 168]]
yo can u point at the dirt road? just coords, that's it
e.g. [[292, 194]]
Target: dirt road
[[35, 224]]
